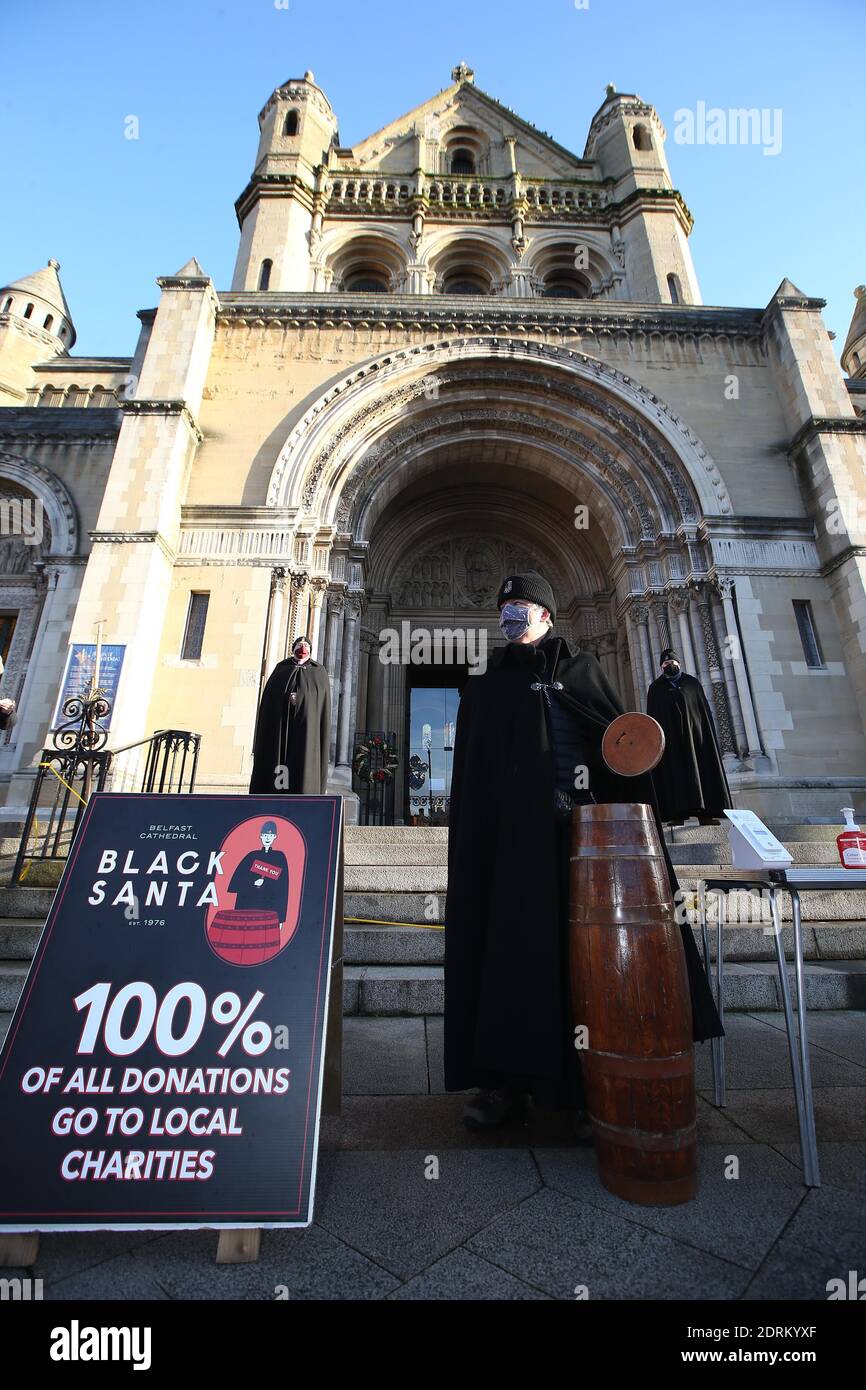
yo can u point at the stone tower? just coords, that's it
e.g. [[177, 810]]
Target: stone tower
[[627, 139], [854, 351], [35, 326], [276, 210]]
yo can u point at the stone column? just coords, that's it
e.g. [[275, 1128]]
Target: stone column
[[363, 679], [719, 700], [351, 626], [728, 661], [701, 667], [679, 605], [639, 647], [623, 685], [660, 613], [355, 704], [319, 588], [607, 657], [275, 622], [297, 599], [645, 651], [45, 666], [336, 600], [375, 687], [741, 670]]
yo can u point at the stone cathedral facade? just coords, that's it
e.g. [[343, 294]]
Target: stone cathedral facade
[[450, 351]]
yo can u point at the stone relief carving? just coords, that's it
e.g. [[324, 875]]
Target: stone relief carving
[[464, 571]]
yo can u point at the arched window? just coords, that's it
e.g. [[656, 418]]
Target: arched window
[[49, 321], [28, 311], [642, 138], [461, 283], [364, 283], [675, 289], [8, 305], [290, 124], [265, 275], [565, 286], [462, 162], [62, 334]]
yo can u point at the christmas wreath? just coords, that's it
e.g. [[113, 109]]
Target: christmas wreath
[[375, 760]]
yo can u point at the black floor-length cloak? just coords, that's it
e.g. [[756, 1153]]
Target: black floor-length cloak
[[506, 990], [690, 779], [293, 735]]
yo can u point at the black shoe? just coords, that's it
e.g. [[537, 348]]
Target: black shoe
[[581, 1128], [491, 1109]]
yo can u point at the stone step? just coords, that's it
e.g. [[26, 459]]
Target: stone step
[[803, 852], [434, 854], [376, 908], [13, 973], [395, 834], [374, 880], [25, 902], [822, 941], [401, 990], [682, 834], [19, 936], [394, 878], [420, 852], [384, 991]]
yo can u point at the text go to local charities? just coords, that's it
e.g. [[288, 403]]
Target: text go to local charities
[[106, 1019]]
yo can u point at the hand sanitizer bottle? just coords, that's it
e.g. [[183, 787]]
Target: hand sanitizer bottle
[[852, 842]]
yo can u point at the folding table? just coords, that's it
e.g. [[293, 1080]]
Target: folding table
[[794, 882]]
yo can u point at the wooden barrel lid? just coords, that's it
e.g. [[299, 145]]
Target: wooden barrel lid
[[633, 744]]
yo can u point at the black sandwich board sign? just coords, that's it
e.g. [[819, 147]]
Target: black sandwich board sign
[[164, 1065]]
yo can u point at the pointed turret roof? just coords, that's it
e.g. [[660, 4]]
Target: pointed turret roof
[[858, 322], [45, 285], [192, 267], [788, 290]]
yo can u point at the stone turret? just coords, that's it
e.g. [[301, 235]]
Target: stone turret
[[276, 210], [854, 351], [35, 326], [627, 140]]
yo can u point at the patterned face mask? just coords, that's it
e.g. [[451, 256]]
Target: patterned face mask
[[515, 620]]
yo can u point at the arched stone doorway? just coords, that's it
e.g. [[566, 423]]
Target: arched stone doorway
[[424, 477], [39, 581]]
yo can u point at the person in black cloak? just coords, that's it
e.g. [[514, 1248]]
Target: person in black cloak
[[690, 779], [293, 728], [536, 714], [261, 879]]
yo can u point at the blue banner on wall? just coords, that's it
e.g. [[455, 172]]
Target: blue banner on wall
[[78, 676]]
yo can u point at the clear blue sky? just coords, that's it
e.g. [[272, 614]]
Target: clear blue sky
[[116, 213]]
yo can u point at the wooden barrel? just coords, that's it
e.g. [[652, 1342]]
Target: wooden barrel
[[629, 987], [245, 937]]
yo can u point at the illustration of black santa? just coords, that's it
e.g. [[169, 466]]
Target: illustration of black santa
[[261, 879]]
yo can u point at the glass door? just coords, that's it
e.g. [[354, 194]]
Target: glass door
[[432, 717]]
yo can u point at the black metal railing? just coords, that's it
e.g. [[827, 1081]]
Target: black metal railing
[[80, 763]]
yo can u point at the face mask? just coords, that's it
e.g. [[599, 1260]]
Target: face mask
[[515, 620], [672, 670]]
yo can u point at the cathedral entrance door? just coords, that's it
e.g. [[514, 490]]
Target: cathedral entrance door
[[431, 716]]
